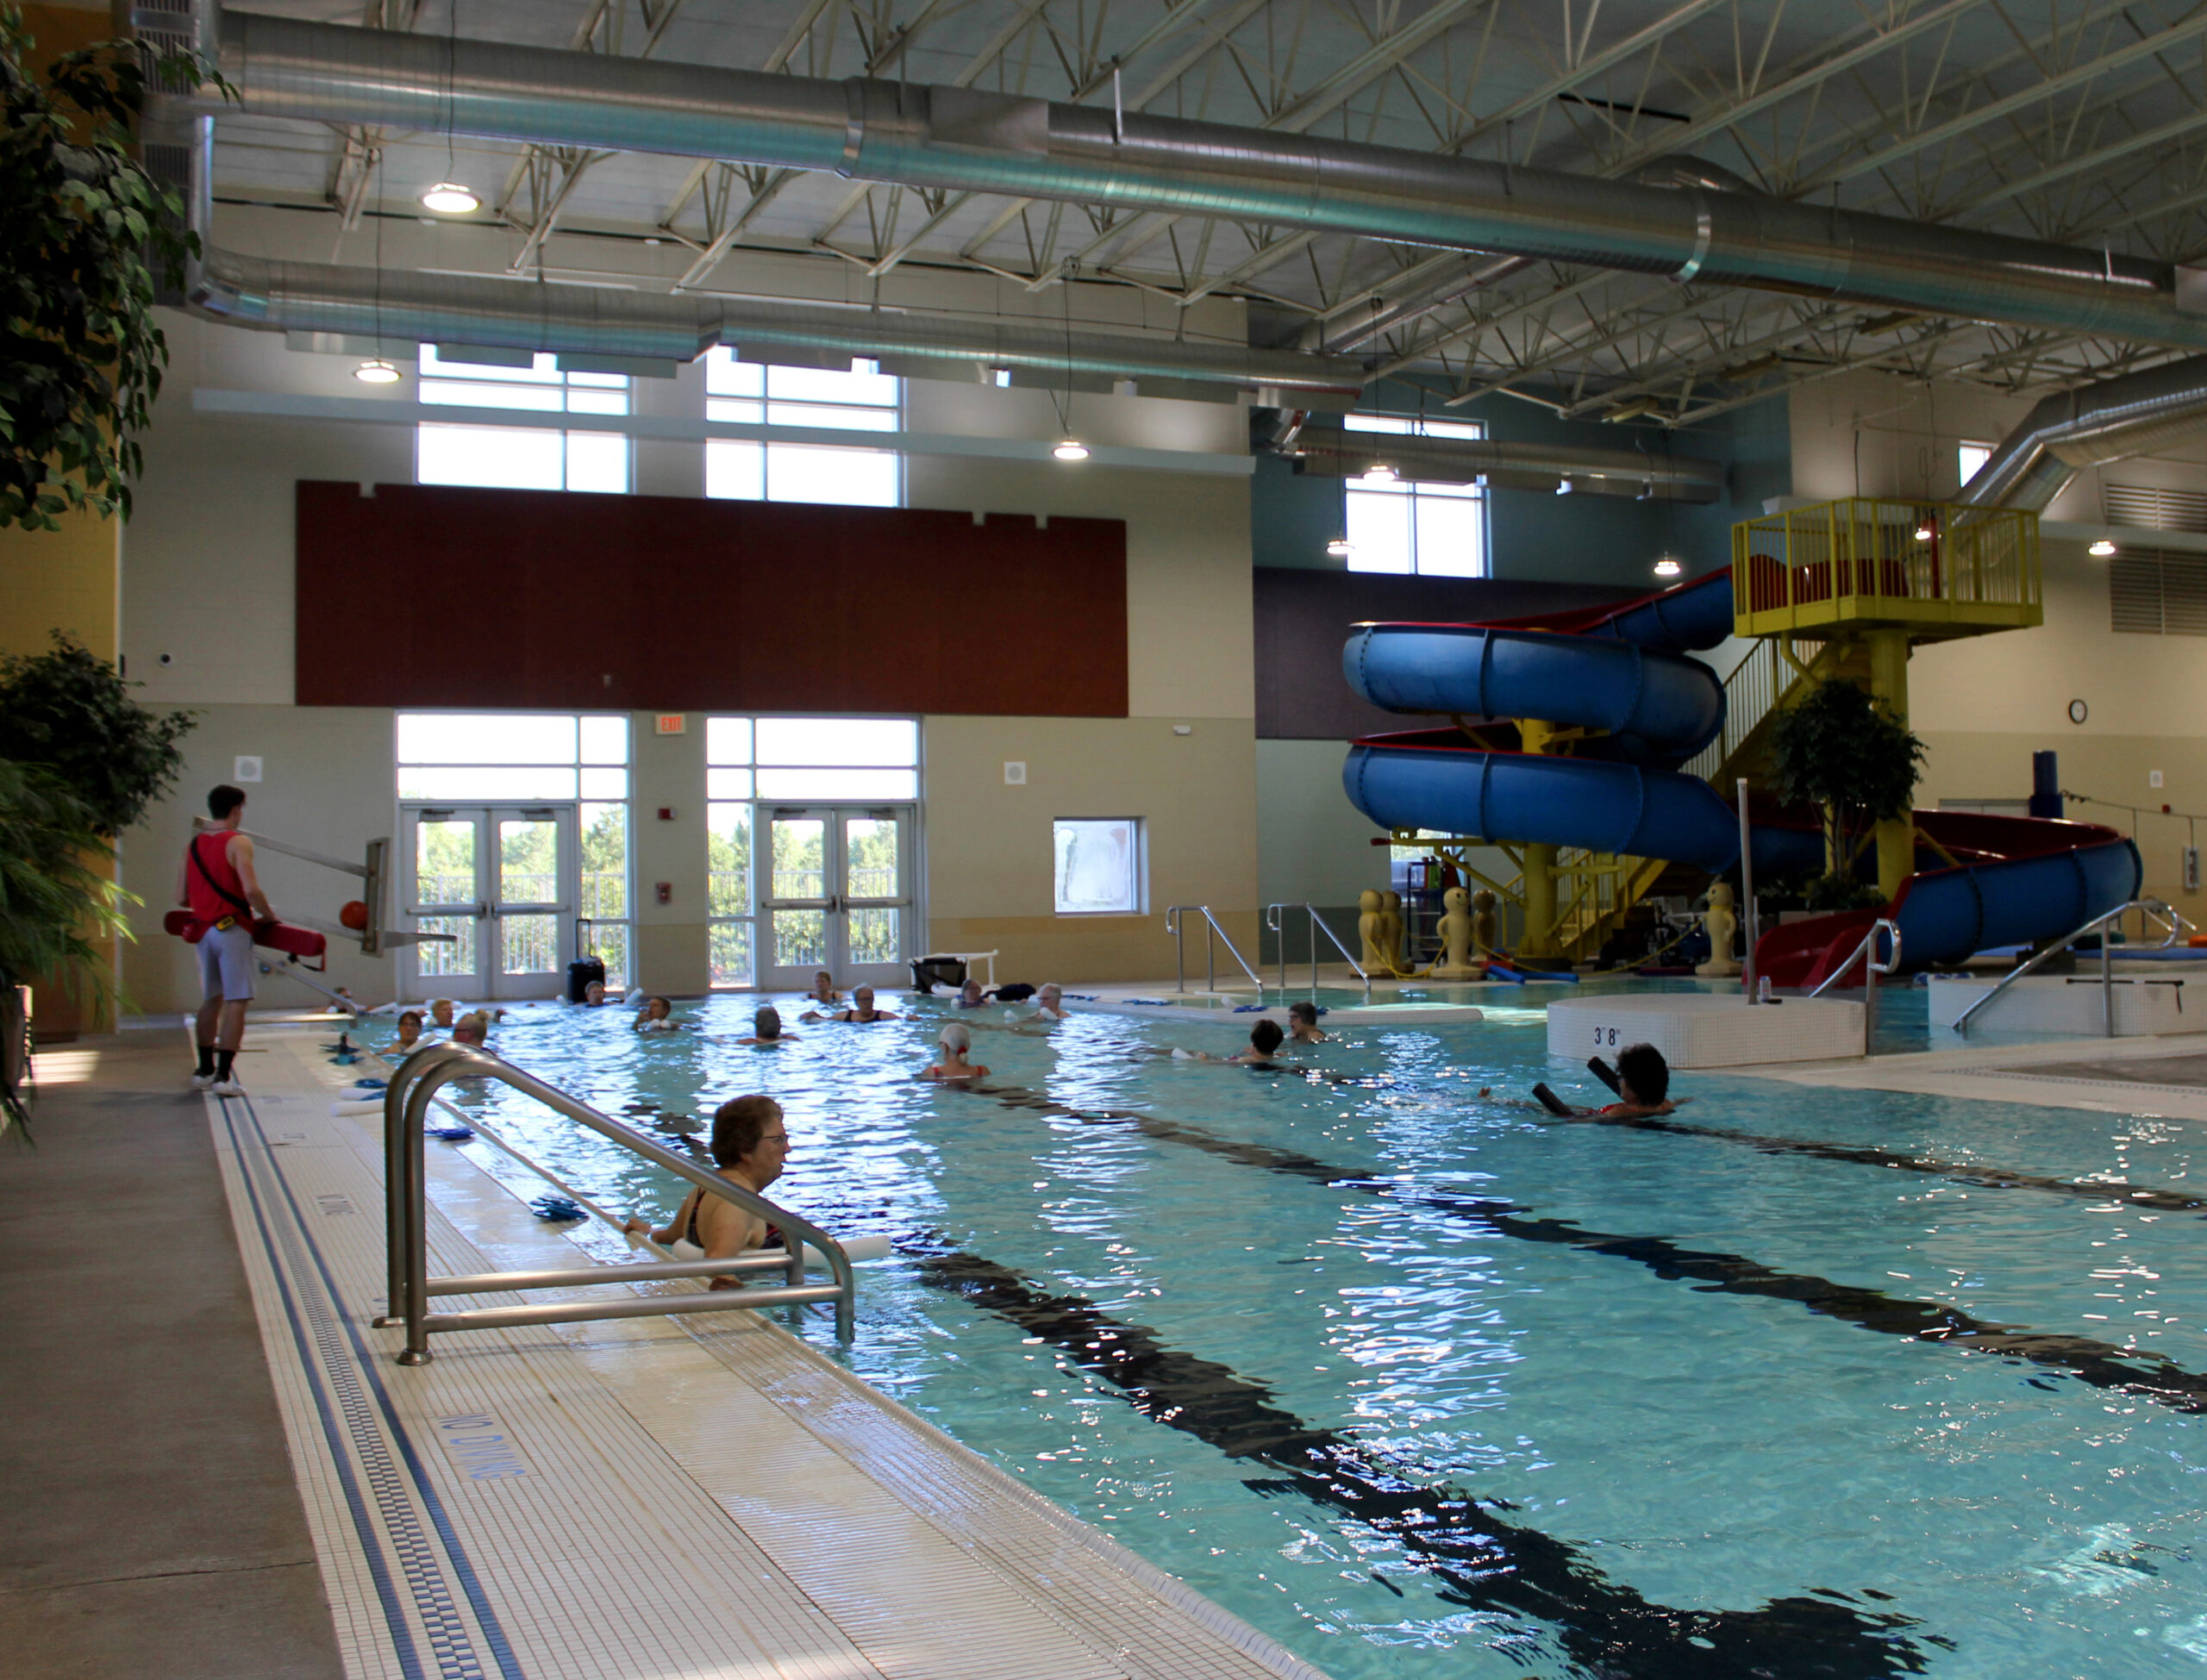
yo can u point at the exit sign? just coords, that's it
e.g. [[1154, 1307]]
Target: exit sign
[[671, 723]]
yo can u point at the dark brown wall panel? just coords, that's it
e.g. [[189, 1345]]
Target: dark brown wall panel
[[436, 595], [1302, 617]]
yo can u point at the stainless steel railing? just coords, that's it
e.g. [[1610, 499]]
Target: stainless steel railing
[[1866, 954], [1173, 926], [1318, 927], [406, 1106], [2157, 910]]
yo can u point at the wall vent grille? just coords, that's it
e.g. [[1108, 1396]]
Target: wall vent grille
[[2152, 508], [2153, 593]]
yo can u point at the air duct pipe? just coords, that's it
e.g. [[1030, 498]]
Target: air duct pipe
[[407, 306], [1344, 454], [963, 138], [2072, 429]]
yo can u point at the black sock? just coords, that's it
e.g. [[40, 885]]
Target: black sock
[[223, 1060], [206, 1060]]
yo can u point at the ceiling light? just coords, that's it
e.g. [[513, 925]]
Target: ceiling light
[[450, 198], [1339, 548], [2102, 549], [1073, 449], [1380, 473], [1924, 532], [1668, 567], [377, 372]]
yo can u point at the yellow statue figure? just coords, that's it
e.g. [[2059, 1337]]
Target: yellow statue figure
[[1484, 931], [1391, 931], [1370, 932], [1457, 930], [1722, 924]]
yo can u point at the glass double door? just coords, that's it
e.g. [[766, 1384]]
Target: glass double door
[[837, 895], [502, 880]]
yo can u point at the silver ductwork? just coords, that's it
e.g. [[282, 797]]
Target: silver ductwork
[[966, 140], [2072, 430], [1536, 466], [399, 306]]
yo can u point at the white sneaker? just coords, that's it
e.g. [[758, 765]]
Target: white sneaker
[[203, 1082], [228, 1087]]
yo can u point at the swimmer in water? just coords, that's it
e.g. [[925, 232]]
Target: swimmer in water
[[1643, 1087], [766, 1027], [823, 990], [656, 1017], [409, 1037], [1303, 1024], [971, 996], [440, 1012], [1265, 1040], [751, 1142], [956, 1040]]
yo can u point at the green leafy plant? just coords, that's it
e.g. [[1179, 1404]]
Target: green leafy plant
[[72, 712], [1844, 753], [86, 230], [53, 902]]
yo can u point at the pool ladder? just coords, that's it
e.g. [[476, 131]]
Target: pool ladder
[[2152, 909], [1176, 926], [405, 1109], [1318, 927]]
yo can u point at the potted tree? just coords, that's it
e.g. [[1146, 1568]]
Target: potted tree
[[1842, 751]]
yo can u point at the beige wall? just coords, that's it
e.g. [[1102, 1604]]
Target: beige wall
[[208, 567], [1985, 705]]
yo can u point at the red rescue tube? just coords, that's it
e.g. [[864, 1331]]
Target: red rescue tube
[[276, 935]]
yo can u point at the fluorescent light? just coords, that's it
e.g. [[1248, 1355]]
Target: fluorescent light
[[450, 198], [2102, 549], [376, 372], [1668, 568], [1339, 548], [1073, 449]]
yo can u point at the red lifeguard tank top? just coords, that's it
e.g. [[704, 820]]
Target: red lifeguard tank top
[[208, 905]]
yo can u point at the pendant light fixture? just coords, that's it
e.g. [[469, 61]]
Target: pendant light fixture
[[2104, 549], [1668, 567], [1340, 548], [1071, 449], [450, 198], [377, 372]]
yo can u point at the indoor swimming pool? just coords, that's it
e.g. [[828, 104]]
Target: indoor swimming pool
[[1379, 1357]]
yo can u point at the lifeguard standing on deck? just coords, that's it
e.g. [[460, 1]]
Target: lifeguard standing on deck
[[217, 884]]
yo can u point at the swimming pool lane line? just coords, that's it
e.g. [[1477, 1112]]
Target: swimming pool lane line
[[2100, 1364], [1482, 1561]]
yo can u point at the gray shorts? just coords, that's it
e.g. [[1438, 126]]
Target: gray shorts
[[225, 964]]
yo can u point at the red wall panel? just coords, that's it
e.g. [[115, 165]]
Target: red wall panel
[[436, 595]]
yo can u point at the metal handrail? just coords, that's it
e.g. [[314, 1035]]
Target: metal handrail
[[1318, 927], [405, 1109], [1866, 952], [2158, 909], [1210, 927]]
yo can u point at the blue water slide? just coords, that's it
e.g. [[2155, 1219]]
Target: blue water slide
[[1673, 705]]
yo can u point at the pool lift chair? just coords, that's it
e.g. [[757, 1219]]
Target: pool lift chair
[[406, 1106]]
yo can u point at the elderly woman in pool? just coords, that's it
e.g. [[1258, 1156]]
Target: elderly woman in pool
[[957, 1040], [1049, 1003], [751, 1142]]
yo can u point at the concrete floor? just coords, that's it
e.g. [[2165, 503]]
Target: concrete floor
[[152, 1527]]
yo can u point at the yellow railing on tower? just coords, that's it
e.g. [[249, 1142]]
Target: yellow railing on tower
[[1937, 569]]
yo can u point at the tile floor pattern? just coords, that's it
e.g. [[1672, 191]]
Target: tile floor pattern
[[703, 1496]]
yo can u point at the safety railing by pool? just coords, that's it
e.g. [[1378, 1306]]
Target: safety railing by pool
[[1866, 954], [1318, 926], [1211, 929], [2154, 909], [406, 1106]]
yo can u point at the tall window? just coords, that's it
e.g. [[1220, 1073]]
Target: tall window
[[473, 759], [859, 401], [516, 457], [1409, 525], [756, 768]]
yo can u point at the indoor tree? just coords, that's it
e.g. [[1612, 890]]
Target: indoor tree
[[70, 711], [87, 232], [1842, 751]]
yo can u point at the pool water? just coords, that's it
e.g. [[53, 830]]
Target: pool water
[[1420, 1382]]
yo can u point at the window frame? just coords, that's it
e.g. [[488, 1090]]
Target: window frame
[[1412, 490], [1138, 866], [443, 384], [721, 407]]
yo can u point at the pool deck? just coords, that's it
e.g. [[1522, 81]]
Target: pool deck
[[2165, 1075], [699, 1497]]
